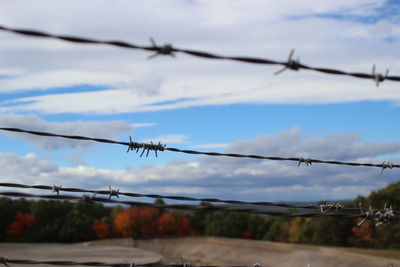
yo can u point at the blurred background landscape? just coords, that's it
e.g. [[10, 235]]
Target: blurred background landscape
[[66, 222]]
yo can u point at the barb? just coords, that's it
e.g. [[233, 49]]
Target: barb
[[382, 216], [164, 50], [291, 64], [112, 192], [160, 147], [56, 189], [306, 161], [386, 164], [185, 264], [329, 207], [169, 50], [377, 77], [323, 207], [219, 208], [4, 260]]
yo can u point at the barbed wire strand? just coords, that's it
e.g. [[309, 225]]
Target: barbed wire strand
[[111, 192], [6, 260], [159, 147], [219, 208], [168, 49]]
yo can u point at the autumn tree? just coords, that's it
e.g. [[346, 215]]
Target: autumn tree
[[8, 210], [295, 230], [363, 235], [185, 226], [137, 222], [167, 225], [102, 230], [123, 223], [22, 226]]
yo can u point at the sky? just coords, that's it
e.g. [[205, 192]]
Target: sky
[[201, 104]]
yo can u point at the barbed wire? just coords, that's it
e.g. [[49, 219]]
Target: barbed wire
[[220, 208], [6, 260], [326, 207], [147, 147], [168, 49]]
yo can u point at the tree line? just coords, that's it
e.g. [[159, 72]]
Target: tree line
[[63, 221]]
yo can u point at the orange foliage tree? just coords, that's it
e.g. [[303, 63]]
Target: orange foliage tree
[[363, 235], [185, 227], [123, 223], [150, 222], [135, 222], [147, 226], [167, 225], [102, 230], [21, 226]]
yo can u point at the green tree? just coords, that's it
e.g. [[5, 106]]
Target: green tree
[[278, 230], [198, 218], [76, 227], [258, 226], [226, 224], [332, 231]]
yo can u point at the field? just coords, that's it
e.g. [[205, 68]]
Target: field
[[207, 251]]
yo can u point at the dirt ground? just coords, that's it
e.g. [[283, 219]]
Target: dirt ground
[[224, 251]]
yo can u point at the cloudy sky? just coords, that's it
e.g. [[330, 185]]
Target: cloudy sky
[[208, 105]]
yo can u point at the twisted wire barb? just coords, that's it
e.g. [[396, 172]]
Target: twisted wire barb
[[159, 147], [170, 50], [327, 207], [187, 207], [382, 216]]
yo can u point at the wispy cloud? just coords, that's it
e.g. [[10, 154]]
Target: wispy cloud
[[211, 146]]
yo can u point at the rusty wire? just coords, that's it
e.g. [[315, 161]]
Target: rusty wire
[[112, 192], [7, 260], [159, 147], [168, 49]]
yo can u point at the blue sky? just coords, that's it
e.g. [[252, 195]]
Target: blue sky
[[202, 104]]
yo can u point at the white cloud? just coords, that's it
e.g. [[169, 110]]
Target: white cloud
[[211, 146], [168, 138], [287, 89]]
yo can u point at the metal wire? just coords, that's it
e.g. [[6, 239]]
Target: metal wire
[[89, 199], [109, 192], [96, 263], [170, 50], [159, 147]]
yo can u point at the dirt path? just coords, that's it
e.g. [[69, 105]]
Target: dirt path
[[224, 251]]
